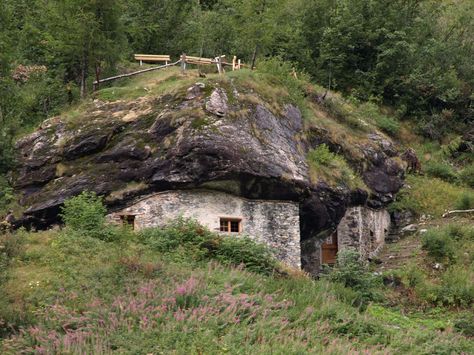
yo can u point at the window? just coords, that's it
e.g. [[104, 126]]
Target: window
[[232, 225], [128, 220]]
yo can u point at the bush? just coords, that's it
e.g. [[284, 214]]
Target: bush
[[6, 194], [456, 288], [388, 124], [10, 247], [203, 244], [283, 71], [352, 272], [465, 201], [85, 212], [465, 325], [85, 215], [439, 244], [440, 170], [467, 175], [332, 167], [322, 155]]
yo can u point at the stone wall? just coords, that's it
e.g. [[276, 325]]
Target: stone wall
[[364, 229], [361, 228], [275, 223]]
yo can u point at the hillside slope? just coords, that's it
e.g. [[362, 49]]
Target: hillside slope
[[133, 297]]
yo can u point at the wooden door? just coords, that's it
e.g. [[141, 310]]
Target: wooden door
[[329, 250]]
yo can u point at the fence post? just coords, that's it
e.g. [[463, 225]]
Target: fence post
[[234, 63], [183, 62], [239, 64], [219, 65]]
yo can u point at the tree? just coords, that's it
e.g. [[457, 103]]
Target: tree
[[8, 103], [85, 37]]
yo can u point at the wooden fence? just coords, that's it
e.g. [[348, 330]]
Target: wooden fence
[[183, 62]]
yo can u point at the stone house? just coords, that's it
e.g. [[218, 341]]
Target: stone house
[[362, 228], [272, 222]]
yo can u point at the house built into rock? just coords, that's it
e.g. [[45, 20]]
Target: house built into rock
[[271, 222], [363, 229]]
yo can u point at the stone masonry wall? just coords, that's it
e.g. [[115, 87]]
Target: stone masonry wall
[[275, 223], [364, 229]]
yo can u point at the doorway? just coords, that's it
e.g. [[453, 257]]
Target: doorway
[[329, 250]]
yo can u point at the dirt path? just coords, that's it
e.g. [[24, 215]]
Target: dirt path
[[396, 255]]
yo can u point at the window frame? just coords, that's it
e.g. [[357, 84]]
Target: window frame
[[229, 221], [128, 220]]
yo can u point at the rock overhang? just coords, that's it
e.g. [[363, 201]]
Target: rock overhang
[[198, 140]]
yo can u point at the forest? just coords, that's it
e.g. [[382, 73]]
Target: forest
[[412, 55]]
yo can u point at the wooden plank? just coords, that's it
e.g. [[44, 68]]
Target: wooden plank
[[152, 58], [97, 82], [199, 58], [152, 55], [183, 62]]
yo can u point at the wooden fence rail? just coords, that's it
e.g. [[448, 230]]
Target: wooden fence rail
[[183, 61]]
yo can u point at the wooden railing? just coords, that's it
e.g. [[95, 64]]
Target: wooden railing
[[183, 62]]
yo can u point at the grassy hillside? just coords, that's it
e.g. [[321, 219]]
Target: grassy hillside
[[69, 293], [185, 290]]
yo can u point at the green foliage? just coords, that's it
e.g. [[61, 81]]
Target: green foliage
[[333, 168], [85, 214], [440, 244], [465, 201], [282, 71], [467, 176], [440, 170], [6, 195], [321, 155], [427, 195], [352, 272], [195, 241], [131, 298], [371, 111], [465, 325], [456, 288]]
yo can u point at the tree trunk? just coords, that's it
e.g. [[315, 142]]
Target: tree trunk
[[97, 74], [84, 75], [254, 57]]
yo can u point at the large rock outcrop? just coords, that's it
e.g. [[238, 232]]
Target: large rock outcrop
[[206, 136]]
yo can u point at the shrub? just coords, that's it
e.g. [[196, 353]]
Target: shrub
[[371, 111], [322, 155], [465, 201], [6, 194], [10, 247], [282, 70], [439, 244], [352, 272], [85, 215], [388, 124], [203, 244], [467, 175], [456, 288], [332, 167], [440, 170], [465, 325], [85, 212]]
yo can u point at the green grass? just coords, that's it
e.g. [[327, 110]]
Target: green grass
[[426, 195], [130, 298], [332, 168]]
